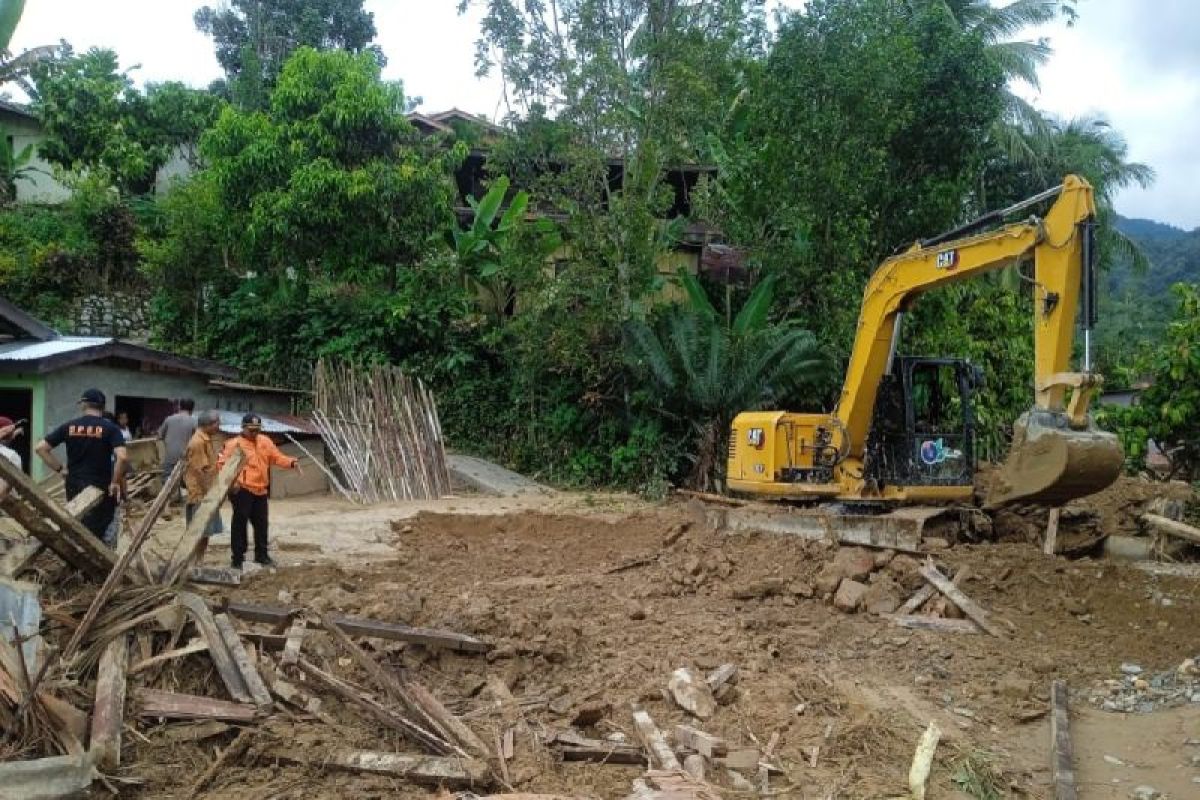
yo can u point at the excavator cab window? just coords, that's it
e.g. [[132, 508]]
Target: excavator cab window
[[923, 430]]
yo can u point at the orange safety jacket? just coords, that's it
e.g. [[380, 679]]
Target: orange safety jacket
[[259, 456]]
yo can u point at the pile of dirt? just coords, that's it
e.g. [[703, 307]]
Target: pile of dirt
[[590, 616]]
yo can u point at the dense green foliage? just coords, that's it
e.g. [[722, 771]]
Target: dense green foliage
[[547, 310]]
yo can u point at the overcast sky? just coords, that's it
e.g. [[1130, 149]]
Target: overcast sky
[[1135, 62]]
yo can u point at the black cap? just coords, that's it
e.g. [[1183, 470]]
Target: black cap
[[93, 397], [252, 419]]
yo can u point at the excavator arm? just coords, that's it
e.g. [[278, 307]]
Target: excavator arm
[[821, 455]]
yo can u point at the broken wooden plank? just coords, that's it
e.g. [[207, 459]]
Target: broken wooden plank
[[968, 606], [577, 747], [293, 643], [1060, 743], [693, 765], [1179, 530], [922, 623], [722, 675], [171, 705], [375, 709], [703, 743], [194, 646], [447, 722], [250, 677], [238, 746], [941, 606], [273, 642], [216, 576], [231, 676], [369, 628], [84, 502], [185, 549], [108, 712], [661, 754], [1051, 541], [425, 770], [194, 732]]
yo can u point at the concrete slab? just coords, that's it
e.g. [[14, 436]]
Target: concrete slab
[[489, 478], [47, 778]]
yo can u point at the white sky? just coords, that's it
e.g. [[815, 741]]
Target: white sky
[[1135, 62]]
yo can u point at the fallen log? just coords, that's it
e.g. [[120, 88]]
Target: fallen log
[[1180, 530], [171, 705], [425, 770]]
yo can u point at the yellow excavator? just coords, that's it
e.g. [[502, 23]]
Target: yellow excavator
[[903, 430]]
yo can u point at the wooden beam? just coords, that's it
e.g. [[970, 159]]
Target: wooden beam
[[661, 754], [84, 502], [170, 705], [359, 626], [185, 549], [1179, 530], [250, 677], [1051, 541], [447, 722], [231, 676], [703, 743], [968, 606], [1060, 743], [108, 713], [940, 624], [295, 640], [425, 770]]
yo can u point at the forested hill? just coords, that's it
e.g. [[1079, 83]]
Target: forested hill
[[1174, 256]]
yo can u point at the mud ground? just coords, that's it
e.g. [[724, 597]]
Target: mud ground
[[848, 694]]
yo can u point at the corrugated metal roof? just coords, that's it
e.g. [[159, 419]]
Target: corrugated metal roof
[[231, 422], [35, 351]]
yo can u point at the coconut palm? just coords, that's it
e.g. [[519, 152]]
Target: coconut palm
[[705, 369]]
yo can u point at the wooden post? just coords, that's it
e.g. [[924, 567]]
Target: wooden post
[[185, 549], [1051, 542], [108, 715], [1060, 743]]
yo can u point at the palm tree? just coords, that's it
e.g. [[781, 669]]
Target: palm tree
[[1018, 59], [705, 369]]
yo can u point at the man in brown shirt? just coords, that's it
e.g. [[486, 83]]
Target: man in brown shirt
[[201, 471]]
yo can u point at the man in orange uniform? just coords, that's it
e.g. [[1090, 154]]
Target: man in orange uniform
[[250, 490]]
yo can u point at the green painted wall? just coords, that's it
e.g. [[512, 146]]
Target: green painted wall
[[37, 418]]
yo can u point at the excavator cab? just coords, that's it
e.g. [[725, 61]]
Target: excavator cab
[[923, 430]]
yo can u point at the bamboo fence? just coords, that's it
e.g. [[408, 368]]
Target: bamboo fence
[[382, 427]]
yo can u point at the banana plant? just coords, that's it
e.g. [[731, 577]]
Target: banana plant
[[14, 166], [483, 247], [16, 68]]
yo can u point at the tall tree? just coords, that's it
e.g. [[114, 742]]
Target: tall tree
[[253, 38]]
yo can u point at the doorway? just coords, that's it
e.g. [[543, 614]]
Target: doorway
[[17, 404]]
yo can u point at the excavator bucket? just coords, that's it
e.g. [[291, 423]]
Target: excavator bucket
[[1051, 463]]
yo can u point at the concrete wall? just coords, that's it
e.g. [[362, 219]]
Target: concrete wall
[[40, 186], [289, 482]]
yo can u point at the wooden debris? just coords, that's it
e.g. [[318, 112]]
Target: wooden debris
[[742, 758], [671, 785], [217, 576], [708, 497], [447, 722], [194, 646], [722, 675], [374, 629], [195, 731], [503, 759], [1060, 743], [185, 549], [250, 677], [1051, 540], [1179, 530], [923, 623], [170, 705], [427, 770], [942, 607], [703, 743], [661, 754], [575, 747], [968, 606], [60, 776], [631, 563], [48, 521], [295, 640], [375, 709], [693, 765], [918, 773], [108, 714], [235, 750], [692, 693], [227, 668]]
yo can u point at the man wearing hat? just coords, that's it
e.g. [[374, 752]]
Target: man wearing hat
[[250, 490], [95, 457]]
